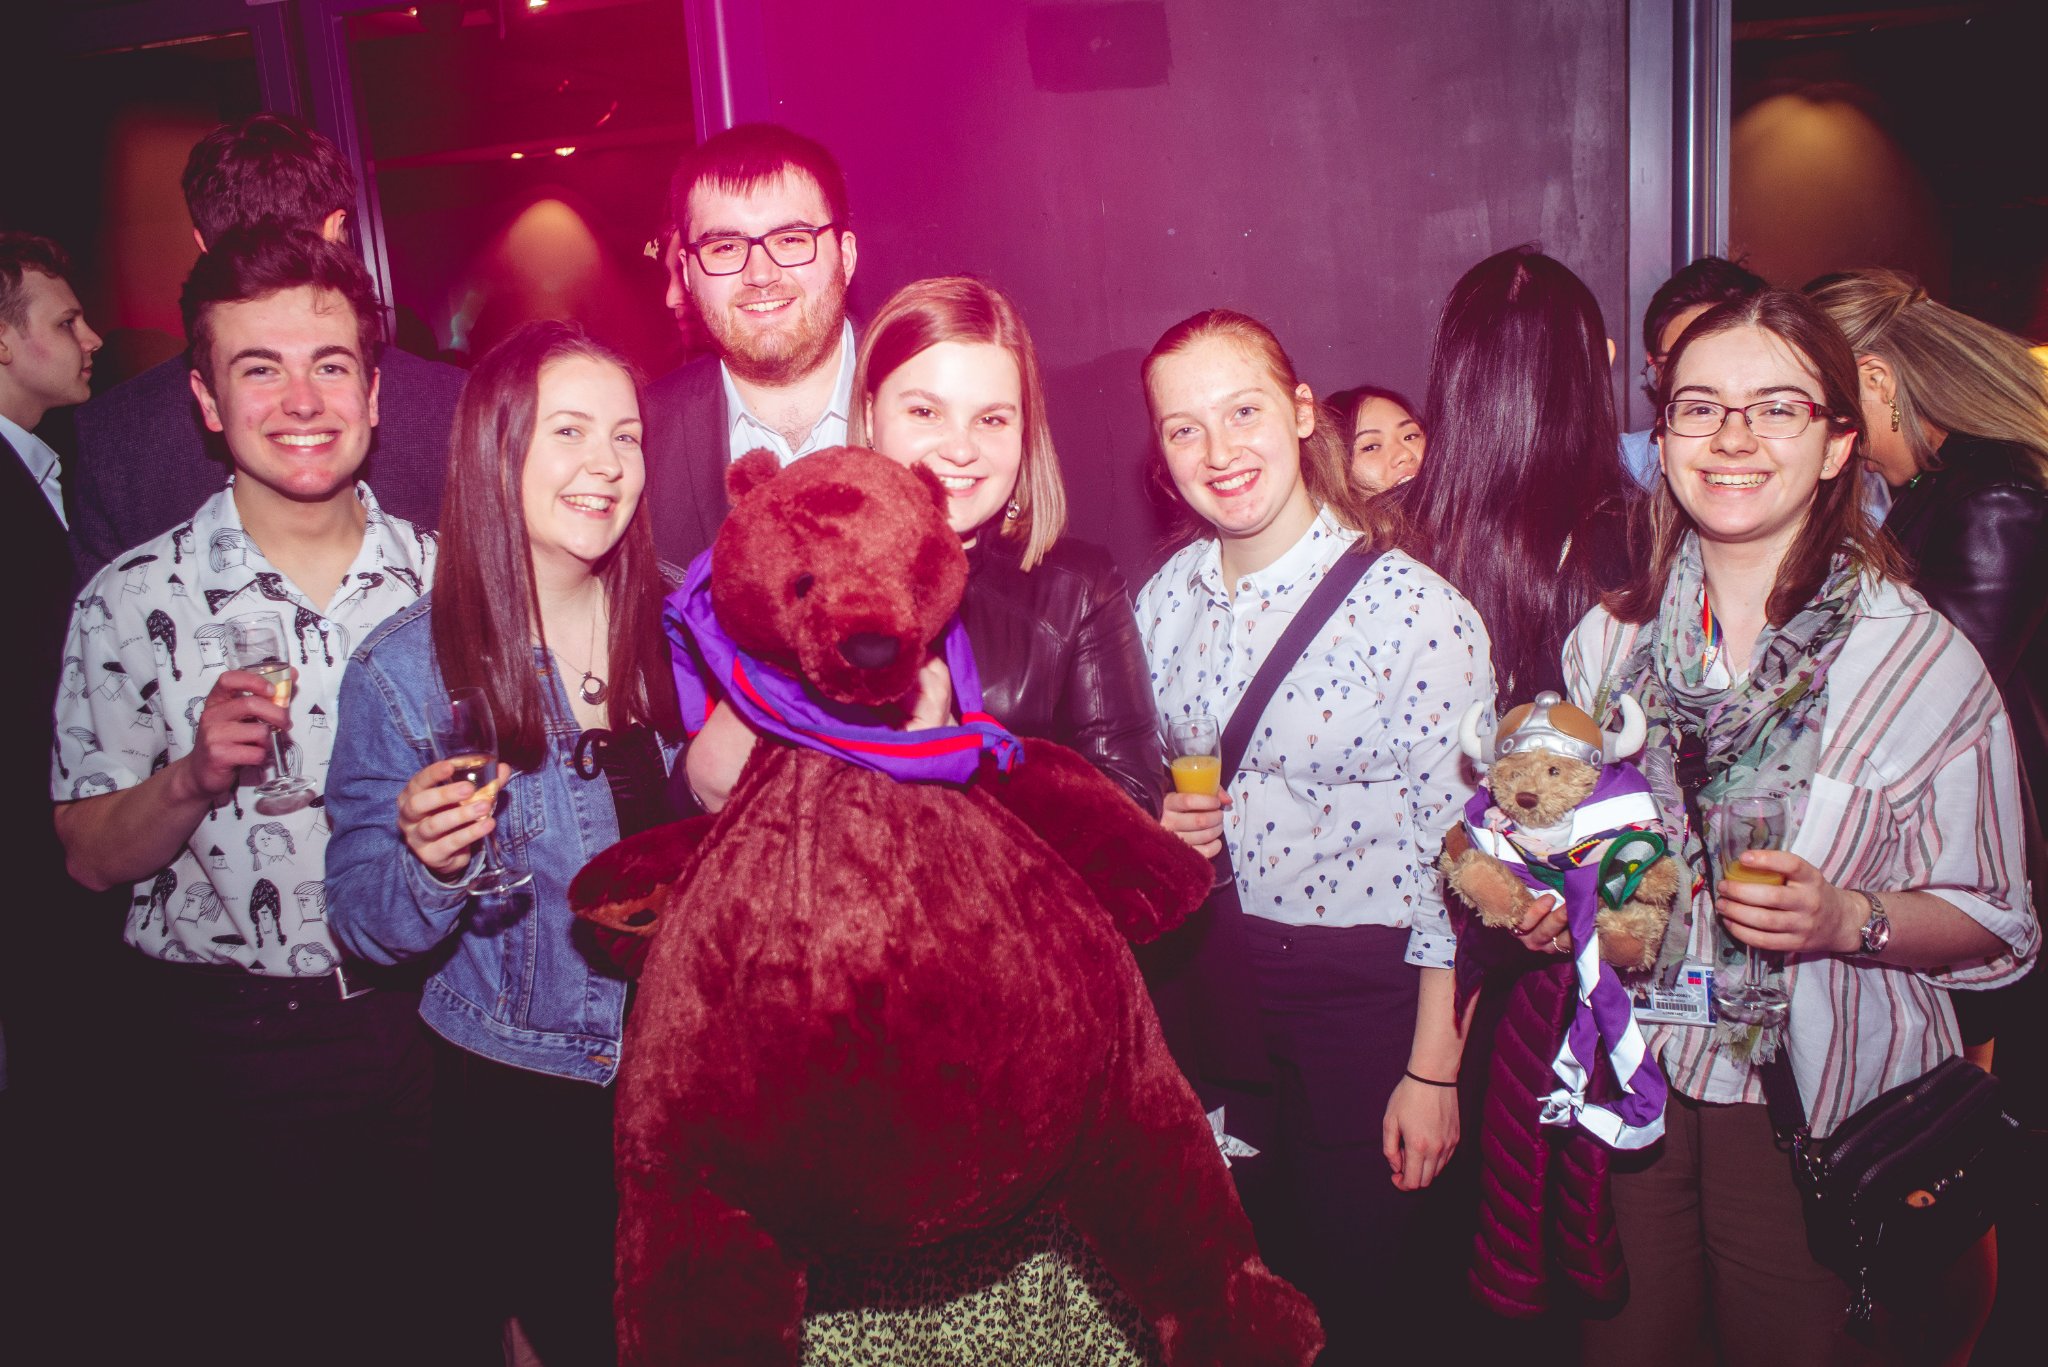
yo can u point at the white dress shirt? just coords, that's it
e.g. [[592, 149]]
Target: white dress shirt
[[749, 432], [41, 462], [1354, 772]]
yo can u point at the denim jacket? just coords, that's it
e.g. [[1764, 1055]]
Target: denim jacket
[[527, 993]]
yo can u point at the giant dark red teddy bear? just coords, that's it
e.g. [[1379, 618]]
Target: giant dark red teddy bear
[[877, 1013]]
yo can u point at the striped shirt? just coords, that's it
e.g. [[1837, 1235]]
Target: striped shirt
[[1917, 787]]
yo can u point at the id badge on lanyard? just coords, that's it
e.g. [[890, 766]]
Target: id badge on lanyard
[[1683, 995]]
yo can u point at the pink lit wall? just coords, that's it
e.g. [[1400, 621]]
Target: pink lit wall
[[1330, 168]]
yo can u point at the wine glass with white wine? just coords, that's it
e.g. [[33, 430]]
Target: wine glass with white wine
[[1752, 821], [464, 733], [256, 643]]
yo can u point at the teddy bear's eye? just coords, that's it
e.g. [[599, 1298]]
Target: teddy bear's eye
[[803, 583], [1553, 771]]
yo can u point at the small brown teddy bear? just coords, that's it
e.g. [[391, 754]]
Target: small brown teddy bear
[[1560, 804], [886, 995]]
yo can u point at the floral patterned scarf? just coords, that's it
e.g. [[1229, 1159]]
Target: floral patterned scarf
[[1762, 729]]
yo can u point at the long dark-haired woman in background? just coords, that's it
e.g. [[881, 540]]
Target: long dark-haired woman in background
[[1523, 503], [1524, 506], [548, 599]]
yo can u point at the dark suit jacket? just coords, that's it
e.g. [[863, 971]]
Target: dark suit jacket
[[146, 459], [688, 445], [687, 452], [72, 931]]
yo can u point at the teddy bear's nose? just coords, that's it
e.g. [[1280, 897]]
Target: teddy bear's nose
[[1526, 799], [869, 650]]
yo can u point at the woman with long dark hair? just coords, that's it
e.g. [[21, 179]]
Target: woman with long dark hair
[[548, 600], [1776, 655], [1523, 504]]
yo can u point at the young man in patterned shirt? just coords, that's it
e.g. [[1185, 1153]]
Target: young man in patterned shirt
[[278, 1109]]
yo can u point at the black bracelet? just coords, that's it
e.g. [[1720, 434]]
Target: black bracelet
[[1427, 1081]]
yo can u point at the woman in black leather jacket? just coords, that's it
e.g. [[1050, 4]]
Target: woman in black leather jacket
[[947, 378], [1955, 417]]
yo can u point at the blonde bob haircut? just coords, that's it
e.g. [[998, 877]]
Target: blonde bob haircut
[[1960, 374], [959, 308]]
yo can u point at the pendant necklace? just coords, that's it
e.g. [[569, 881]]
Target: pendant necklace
[[592, 689]]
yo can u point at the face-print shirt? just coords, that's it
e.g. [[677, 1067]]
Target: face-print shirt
[[1353, 774], [148, 639]]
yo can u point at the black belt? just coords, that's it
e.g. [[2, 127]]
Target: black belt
[[232, 980]]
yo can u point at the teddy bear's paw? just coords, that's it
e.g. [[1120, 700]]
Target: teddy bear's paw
[[1261, 1321], [1488, 887], [621, 892], [1631, 933]]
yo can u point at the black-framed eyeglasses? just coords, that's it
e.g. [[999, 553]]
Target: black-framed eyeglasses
[[727, 253], [1770, 418]]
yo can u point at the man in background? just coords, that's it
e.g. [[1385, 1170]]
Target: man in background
[[146, 459], [764, 253]]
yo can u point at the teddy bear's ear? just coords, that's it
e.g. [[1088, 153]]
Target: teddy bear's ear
[[751, 471], [931, 482]]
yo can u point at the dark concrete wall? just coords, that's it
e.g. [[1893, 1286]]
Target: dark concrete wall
[[1329, 166]]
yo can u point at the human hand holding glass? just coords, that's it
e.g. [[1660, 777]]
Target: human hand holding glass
[[1196, 754], [1751, 821], [256, 643], [465, 735]]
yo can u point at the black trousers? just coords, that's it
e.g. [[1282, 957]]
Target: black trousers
[[271, 1174], [1337, 1009], [525, 1164]]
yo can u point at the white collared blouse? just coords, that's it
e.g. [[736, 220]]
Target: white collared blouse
[[1354, 773]]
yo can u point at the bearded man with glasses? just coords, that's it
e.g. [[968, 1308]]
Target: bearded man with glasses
[[763, 253]]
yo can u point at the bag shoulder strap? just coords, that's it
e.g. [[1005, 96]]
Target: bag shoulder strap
[[1337, 581]]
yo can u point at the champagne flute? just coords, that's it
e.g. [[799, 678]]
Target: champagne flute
[[464, 733], [1752, 821], [256, 643], [1197, 754]]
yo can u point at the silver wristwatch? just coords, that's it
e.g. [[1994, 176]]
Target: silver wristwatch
[[1877, 931]]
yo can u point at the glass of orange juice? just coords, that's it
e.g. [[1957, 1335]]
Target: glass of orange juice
[[1754, 820], [1195, 745]]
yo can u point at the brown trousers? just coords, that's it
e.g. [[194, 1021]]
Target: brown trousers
[[1719, 1271]]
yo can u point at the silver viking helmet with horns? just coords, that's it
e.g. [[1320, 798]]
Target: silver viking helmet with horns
[[1554, 725]]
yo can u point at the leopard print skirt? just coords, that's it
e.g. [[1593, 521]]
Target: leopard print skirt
[[1029, 1294]]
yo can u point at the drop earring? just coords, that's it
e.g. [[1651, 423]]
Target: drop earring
[[1895, 415], [1010, 513]]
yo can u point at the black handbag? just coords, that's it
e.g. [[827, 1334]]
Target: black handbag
[[1199, 973], [1904, 1187]]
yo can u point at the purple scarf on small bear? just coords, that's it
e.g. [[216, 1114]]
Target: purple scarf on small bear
[[781, 705], [1602, 1018]]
